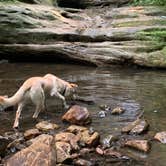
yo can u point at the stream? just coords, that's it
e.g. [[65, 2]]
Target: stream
[[136, 90]]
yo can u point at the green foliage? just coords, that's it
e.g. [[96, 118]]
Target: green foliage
[[150, 2]]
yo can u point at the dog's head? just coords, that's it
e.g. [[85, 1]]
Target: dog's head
[[70, 90], [2, 102]]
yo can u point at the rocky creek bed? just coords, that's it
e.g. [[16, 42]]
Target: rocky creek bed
[[104, 139]]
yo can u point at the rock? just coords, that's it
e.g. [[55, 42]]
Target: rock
[[76, 129], [82, 162], [142, 145], [112, 153], [16, 144], [117, 111], [102, 114], [161, 136], [63, 151], [140, 127], [40, 153], [130, 126], [46, 126], [88, 139], [106, 142], [105, 107], [3, 144], [31, 133], [77, 115], [84, 151], [99, 151], [70, 138]]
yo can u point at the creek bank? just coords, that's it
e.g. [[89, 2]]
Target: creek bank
[[100, 35]]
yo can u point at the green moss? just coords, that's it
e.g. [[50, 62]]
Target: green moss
[[139, 23], [149, 2], [153, 35], [164, 51]]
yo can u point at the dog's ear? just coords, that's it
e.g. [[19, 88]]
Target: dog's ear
[[74, 85]]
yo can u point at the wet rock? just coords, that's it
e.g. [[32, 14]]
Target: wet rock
[[106, 142], [161, 136], [46, 126], [102, 114], [17, 144], [31, 133], [77, 115], [3, 144], [63, 151], [140, 127], [84, 151], [112, 153], [88, 139], [105, 108], [40, 153], [76, 129], [70, 138], [117, 111], [99, 151], [130, 126], [82, 162], [142, 145]]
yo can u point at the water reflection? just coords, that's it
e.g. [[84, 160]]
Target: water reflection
[[135, 90]]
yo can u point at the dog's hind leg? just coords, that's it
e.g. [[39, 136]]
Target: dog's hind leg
[[38, 98], [18, 113]]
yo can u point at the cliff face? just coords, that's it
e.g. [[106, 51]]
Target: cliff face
[[94, 32]]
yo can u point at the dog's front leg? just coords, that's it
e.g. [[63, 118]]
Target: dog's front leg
[[57, 94]]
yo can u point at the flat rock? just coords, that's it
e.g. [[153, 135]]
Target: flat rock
[[117, 111], [40, 153], [130, 126], [140, 127], [63, 151], [77, 115], [70, 138], [83, 162], [142, 145], [31, 133], [46, 126], [161, 136], [76, 129], [107, 141], [112, 153]]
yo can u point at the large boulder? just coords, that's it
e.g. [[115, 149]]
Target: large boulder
[[40, 153]]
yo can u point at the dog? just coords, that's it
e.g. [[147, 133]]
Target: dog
[[36, 89]]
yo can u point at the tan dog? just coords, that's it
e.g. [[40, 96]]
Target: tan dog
[[35, 89]]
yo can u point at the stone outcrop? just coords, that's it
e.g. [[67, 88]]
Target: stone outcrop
[[40, 153], [95, 36]]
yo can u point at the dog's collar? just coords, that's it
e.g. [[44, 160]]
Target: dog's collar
[[64, 91]]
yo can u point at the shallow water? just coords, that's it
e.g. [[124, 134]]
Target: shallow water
[[134, 89]]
